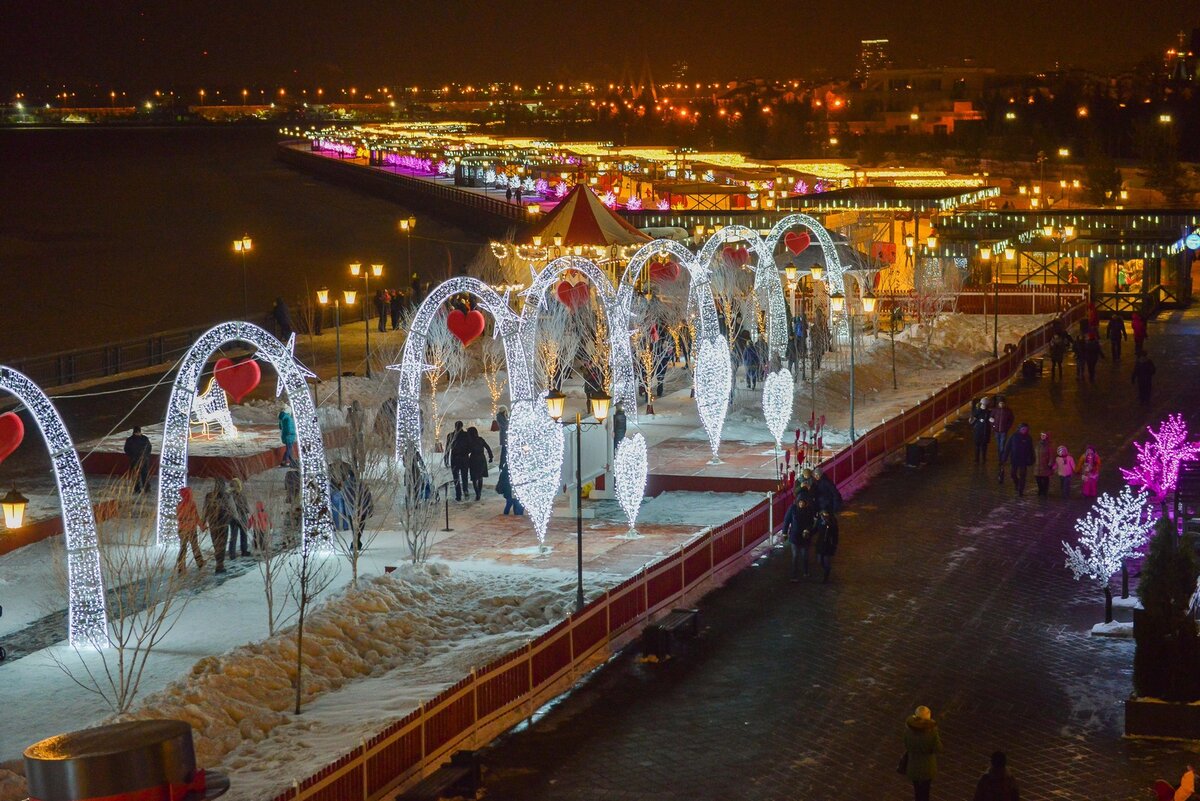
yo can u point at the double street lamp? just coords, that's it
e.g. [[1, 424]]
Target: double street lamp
[[555, 404], [837, 304], [323, 298], [407, 226], [242, 247], [356, 269], [1060, 235]]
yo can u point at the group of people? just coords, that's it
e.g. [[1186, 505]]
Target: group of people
[[1018, 452], [811, 522], [390, 304], [467, 454], [923, 742], [226, 517], [1088, 352]]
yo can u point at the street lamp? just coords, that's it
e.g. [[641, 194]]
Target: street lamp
[[14, 504], [376, 270], [407, 227], [1060, 236], [323, 298], [242, 247], [555, 405]]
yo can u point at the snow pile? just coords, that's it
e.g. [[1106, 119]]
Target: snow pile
[[697, 508]]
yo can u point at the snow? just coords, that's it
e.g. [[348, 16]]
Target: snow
[[1116, 628]]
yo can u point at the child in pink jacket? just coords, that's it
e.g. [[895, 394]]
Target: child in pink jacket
[[1064, 468], [1089, 471]]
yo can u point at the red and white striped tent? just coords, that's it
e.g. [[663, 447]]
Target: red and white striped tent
[[582, 219]]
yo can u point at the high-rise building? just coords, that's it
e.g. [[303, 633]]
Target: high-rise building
[[872, 56]]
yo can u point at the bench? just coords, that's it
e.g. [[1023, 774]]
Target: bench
[[658, 637], [458, 777]]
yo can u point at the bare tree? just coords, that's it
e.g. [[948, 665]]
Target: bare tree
[[492, 360], [147, 593], [556, 343], [310, 571], [419, 505]]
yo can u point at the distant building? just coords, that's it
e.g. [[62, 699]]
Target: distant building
[[872, 57], [1180, 63]]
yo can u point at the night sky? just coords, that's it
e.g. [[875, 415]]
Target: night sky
[[140, 45]]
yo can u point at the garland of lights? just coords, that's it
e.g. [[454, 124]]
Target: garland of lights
[[317, 525], [766, 279], [1159, 458], [630, 467], [777, 398], [833, 263], [86, 615], [712, 381], [535, 455], [1113, 530]]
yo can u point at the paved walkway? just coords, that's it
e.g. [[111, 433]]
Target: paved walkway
[[948, 591]]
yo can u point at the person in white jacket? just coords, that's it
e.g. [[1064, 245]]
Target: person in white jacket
[[1064, 468]]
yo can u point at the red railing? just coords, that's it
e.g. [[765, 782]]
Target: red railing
[[483, 704]]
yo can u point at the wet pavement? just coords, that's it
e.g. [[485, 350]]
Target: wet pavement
[[948, 591]]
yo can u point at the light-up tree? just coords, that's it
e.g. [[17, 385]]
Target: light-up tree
[[492, 360], [444, 358], [1159, 458], [1115, 528]]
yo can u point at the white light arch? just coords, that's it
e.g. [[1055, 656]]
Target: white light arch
[[833, 263], [317, 522], [86, 614]]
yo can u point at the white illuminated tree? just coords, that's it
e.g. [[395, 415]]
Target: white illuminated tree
[[1159, 458], [1115, 528], [630, 466], [492, 362]]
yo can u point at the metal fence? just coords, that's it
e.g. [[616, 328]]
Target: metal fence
[[485, 703]]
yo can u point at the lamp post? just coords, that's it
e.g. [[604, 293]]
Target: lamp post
[[1010, 254], [407, 227], [1060, 237], [376, 270], [837, 303], [242, 247], [323, 299], [14, 504], [555, 404]]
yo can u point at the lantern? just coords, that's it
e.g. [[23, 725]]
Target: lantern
[[14, 504]]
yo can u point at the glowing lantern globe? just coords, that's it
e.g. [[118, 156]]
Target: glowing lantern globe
[[14, 504]]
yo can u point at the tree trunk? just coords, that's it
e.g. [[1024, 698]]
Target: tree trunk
[[1108, 613], [300, 656], [1124, 579]]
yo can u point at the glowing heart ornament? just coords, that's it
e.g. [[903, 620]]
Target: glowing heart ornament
[[12, 432], [777, 400], [630, 465], [571, 295], [535, 455], [467, 327], [797, 243], [238, 380], [712, 382]]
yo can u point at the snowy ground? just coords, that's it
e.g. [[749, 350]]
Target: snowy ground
[[398, 639]]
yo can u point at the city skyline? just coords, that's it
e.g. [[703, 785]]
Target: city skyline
[[132, 45]]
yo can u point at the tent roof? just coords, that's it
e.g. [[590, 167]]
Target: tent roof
[[581, 219]]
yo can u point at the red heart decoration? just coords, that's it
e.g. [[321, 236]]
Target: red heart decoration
[[12, 431], [573, 295], [467, 327], [664, 271], [738, 256], [238, 380], [797, 243]]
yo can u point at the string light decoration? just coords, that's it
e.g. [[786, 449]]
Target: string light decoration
[[317, 523], [833, 263], [777, 399], [412, 364], [630, 466], [1159, 458], [712, 382], [86, 613], [535, 455], [766, 280], [1112, 531]]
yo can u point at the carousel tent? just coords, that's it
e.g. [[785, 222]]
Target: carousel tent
[[581, 219]]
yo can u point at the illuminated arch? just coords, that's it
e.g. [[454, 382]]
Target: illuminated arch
[[833, 263], [317, 523], [86, 614]]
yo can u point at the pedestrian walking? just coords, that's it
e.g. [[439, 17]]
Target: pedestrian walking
[[1093, 319], [618, 424], [1089, 472], [1092, 354], [1044, 465], [382, 304], [283, 320], [922, 744], [505, 488], [287, 435], [1064, 468], [828, 497], [1138, 325], [798, 525], [479, 455], [139, 451], [1059, 345], [356, 421], [1078, 350], [216, 519], [385, 423], [997, 784], [1002, 419], [1019, 454], [981, 430], [397, 304], [1116, 335], [750, 362], [1143, 376], [187, 517], [825, 542], [239, 518], [508, 195], [260, 525], [457, 457], [797, 345], [502, 427]]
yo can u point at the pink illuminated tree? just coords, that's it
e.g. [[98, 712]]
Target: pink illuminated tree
[[1159, 458]]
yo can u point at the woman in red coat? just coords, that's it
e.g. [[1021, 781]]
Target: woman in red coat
[[1139, 333]]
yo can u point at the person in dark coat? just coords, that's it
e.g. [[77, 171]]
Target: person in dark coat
[[382, 305], [1143, 375], [478, 455], [1020, 454], [1059, 345], [829, 498], [1001, 419], [505, 488], [239, 518], [798, 525], [216, 518], [1044, 466], [997, 784], [502, 427], [415, 295], [1138, 324], [1077, 348], [1116, 334], [981, 430], [138, 449], [1092, 355], [751, 363], [619, 424], [187, 516], [283, 320], [457, 457], [397, 303], [825, 540], [922, 744]]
